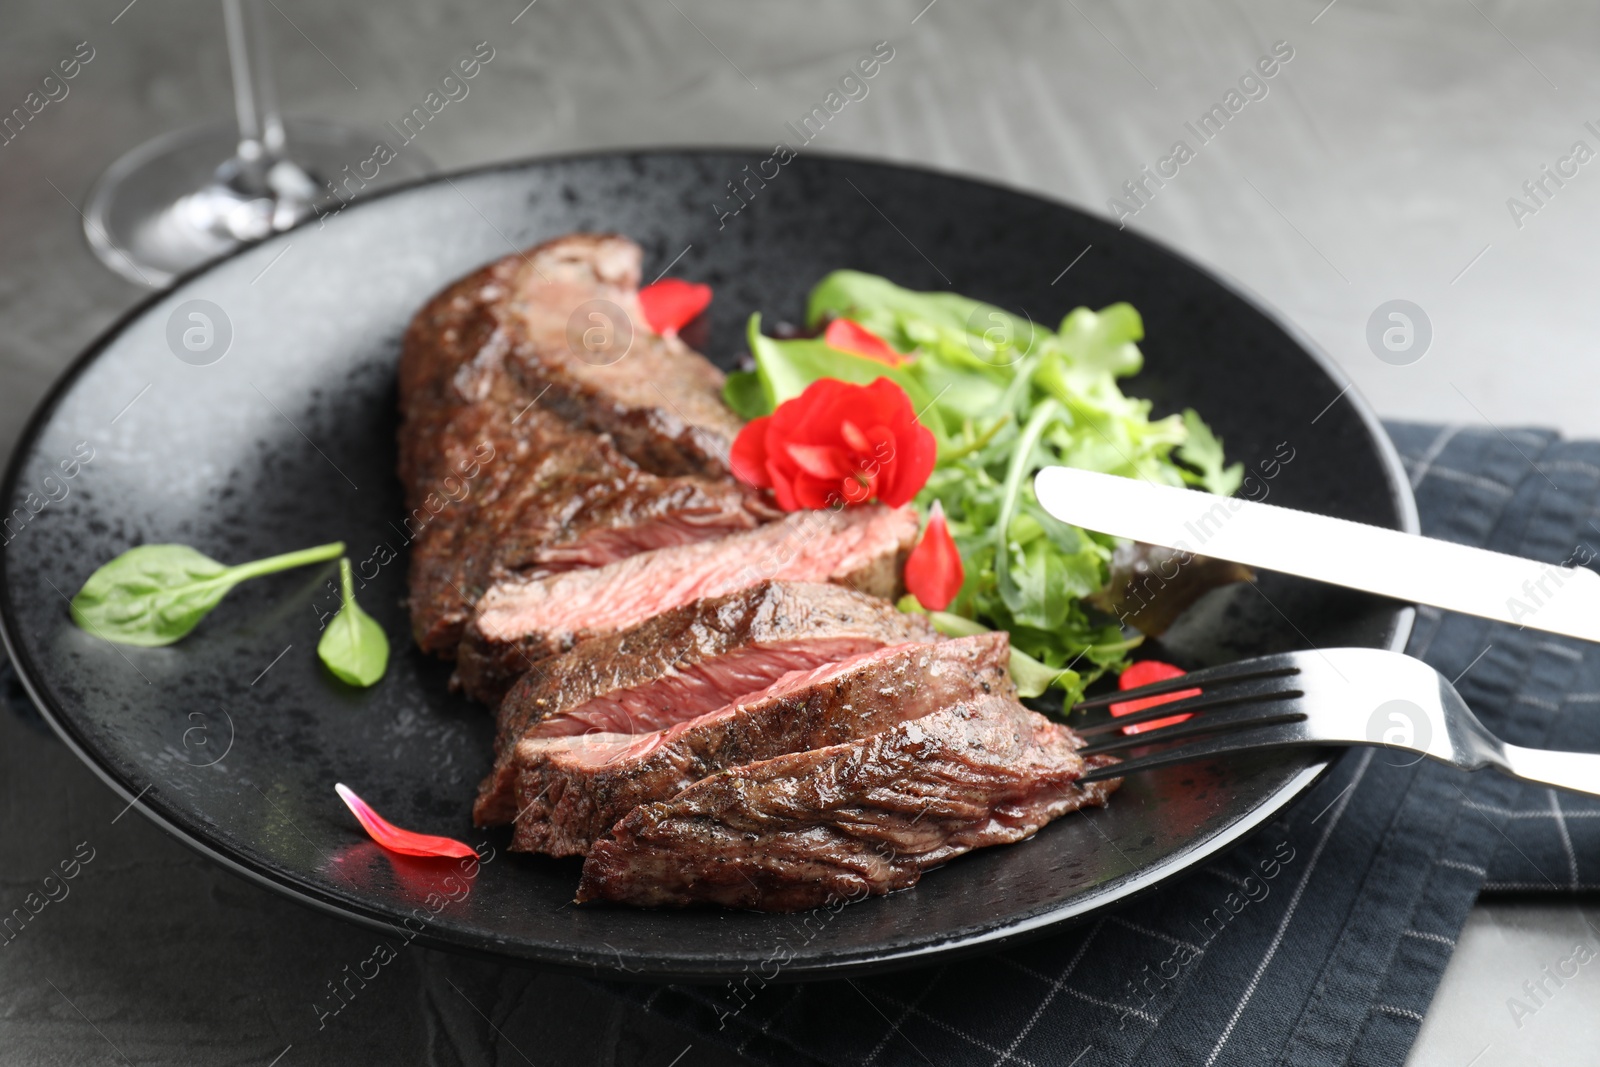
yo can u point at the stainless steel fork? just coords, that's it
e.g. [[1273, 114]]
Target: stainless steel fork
[[1336, 696]]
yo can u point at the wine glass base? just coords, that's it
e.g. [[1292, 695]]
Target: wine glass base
[[180, 201]]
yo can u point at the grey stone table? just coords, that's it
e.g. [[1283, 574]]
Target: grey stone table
[[1400, 151]]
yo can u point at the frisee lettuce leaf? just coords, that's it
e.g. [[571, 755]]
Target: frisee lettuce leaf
[[1202, 451], [1004, 397]]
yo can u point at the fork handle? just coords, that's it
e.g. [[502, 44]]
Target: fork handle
[[1577, 771]]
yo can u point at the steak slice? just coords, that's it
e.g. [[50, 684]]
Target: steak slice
[[499, 484], [520, 622], [684, 663], [852, 820], [571, 790], [577, 331]]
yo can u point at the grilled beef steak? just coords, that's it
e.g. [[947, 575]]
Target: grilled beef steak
[[501, 482], [577, 331], [684, 663], [520, 622], [571, 790], [851, 820]]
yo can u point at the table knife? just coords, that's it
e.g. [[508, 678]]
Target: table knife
[[1555, 598]]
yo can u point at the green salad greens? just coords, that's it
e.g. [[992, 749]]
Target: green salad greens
[[1004, 397]]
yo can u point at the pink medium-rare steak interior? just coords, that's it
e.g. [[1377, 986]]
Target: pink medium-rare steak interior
[[700, 688], [601, 747], [600, 546], [570, 790], [521, 623], [806, 546], [685, 662], [697, 657], [677, 697]]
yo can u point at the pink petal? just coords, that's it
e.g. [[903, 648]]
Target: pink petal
[[819, 461], [1146, 672], [672, 303], [933, 570], [847, 336], [858, 442], [395, 839]]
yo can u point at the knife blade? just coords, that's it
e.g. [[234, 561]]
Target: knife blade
[[1553, 598]]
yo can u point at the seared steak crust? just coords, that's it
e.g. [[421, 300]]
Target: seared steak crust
[[685, 662], [501, 482], [607, 371], [848, 821], [570, 791], [521, 622]]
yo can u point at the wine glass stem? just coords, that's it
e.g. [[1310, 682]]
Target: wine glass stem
[[255, 99]]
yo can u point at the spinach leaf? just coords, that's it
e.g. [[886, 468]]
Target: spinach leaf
[[785, 368], [744, 393], [154, 595], [353, 646]]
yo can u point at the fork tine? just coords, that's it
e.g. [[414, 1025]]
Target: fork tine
[[1271, 736], [1261, 713], [1265, 667], [1188, 705]]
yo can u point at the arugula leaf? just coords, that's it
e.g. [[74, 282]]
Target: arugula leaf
[[353, 646], [1021, 601], [154, 595]]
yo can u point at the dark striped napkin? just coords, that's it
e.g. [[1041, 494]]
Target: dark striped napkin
[[1332, 959]]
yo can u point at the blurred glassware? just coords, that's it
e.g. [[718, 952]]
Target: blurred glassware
[[168, 205]]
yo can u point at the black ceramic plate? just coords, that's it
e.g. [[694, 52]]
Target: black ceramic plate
[[233, 739]]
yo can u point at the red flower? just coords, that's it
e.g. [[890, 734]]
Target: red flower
[[837, 444], [395, 839], [847, 336], [672, 303], [933, 570], [1144, 673]]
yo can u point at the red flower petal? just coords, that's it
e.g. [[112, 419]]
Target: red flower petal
[[748, 456], [1144, 673], [847, 336], [933, 570], [913, 461], [835, 443], [819, 493], [854, 438], [783, 489], [820, 461], [395, 839], [672, 303]]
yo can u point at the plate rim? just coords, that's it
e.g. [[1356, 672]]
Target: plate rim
[[660, 969]]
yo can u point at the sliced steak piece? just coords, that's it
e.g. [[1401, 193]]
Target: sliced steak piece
[[520, 622], [499, 484], [577, 330], [841, 823], [697, 657], [575, 502], [684, 663], [571, 790]]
